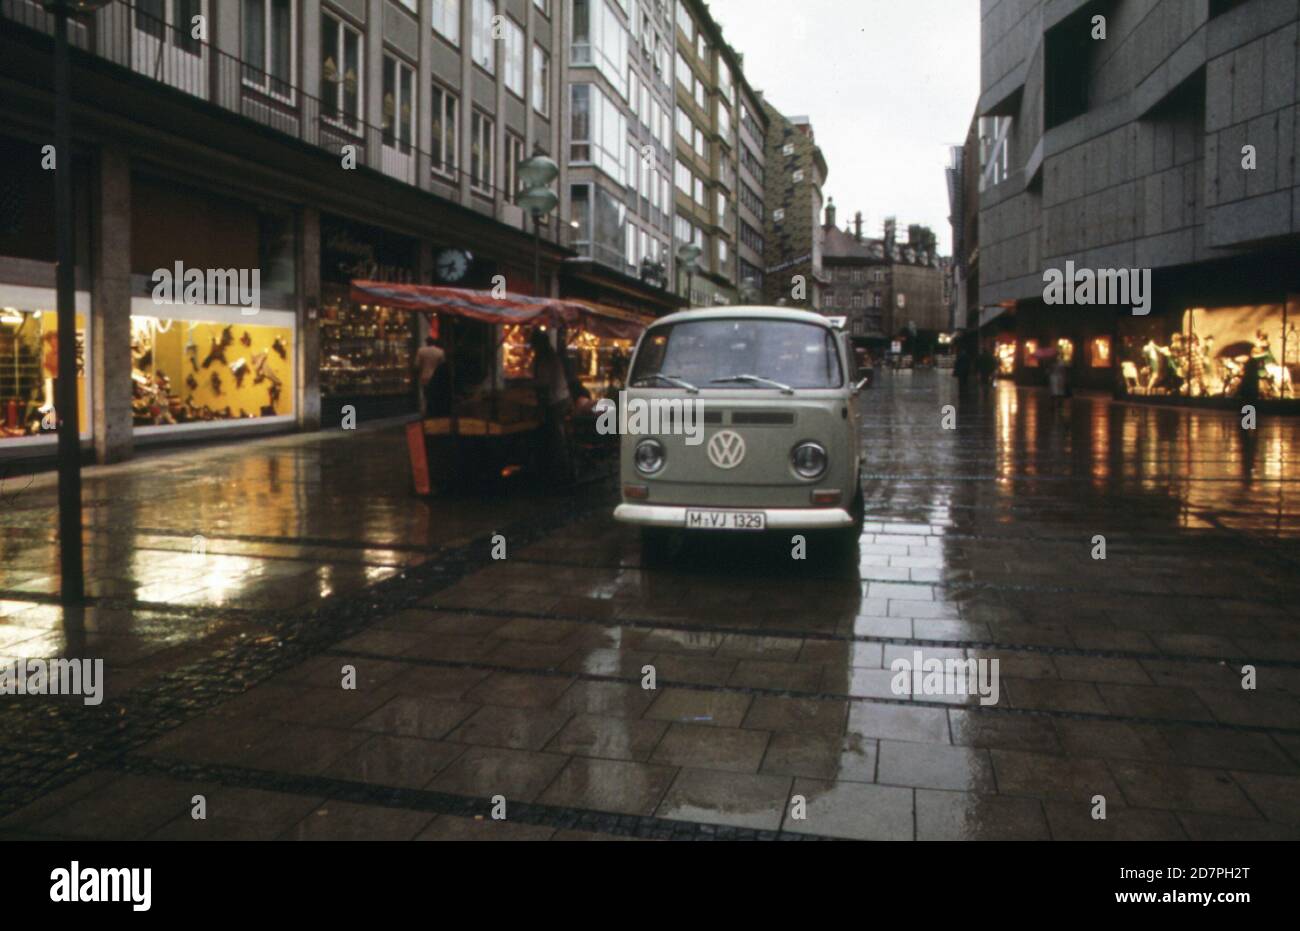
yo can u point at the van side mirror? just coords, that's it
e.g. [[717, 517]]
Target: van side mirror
[[858, 386]]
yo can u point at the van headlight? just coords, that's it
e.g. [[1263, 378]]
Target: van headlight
[[649, 457], [809, 460]]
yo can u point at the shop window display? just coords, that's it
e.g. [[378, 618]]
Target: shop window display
[[366, 350], [1099, 352], [1248, 352], [195, 371], [29, 352], [1006, 355]]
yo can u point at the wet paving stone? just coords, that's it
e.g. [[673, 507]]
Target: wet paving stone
[[523, 677]]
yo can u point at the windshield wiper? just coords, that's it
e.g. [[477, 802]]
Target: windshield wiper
[[785, 389], [671, 379]]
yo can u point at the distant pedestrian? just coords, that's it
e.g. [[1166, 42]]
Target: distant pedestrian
[[435, 385], [1059, 381], [986, 367], [961, 370]]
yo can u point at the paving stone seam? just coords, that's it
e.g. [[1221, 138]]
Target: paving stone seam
[[446, 803], [552, 672], [794, 634]]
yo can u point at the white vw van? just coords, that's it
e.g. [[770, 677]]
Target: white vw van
[[777, 446]]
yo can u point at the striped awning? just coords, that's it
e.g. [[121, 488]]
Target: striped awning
[[525, 309]]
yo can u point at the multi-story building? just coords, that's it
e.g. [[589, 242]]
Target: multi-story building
[[619, 152], [712, 97], [884, 289], [751, 184], [312, 142], [795, 172], [1148, 144]]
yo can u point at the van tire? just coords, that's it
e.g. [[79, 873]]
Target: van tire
[[848, 538]]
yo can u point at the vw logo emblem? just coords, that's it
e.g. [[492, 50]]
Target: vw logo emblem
[[726, 449]]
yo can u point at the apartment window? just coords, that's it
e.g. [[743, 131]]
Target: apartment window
[[995, 153], [269, 45], [751, 237], [684, 21], [701, 48], [632, 174], [633, 92], [699, 193], [681, 229], [700, 145], [682, 177], [859, 276], [629, 237], [722, 255], [399, 104], [340, 73], [724, 80], [685, 128], [700, 100], [749, 197], [513, 42], [724, 121], [170, 18], [778, 215], [445, 155], [484, 47], [514, 155], [445, 16], [798, 175], [597, 130], [722, 208], [541, 81], [481, 151], [599, 39], [684, 72]]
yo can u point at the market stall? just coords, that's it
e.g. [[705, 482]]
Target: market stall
[[490, 429]]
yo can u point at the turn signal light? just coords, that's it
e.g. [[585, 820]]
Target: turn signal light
[[826, 497], [636, 492]]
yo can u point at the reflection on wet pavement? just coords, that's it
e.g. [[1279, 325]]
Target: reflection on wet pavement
[[774, 708]]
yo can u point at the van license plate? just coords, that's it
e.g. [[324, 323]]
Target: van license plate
[[726, 520]]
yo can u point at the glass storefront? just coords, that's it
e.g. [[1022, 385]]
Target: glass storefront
[[1249, 351], [366, 350], [209, 365], [29, 349]]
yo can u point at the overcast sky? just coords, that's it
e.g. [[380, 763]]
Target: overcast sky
[[888, 84]]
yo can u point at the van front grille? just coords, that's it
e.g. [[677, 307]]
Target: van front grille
[[762, 418]]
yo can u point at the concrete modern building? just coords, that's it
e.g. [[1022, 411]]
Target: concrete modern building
[[1156, 137], [312, 142], [795, 174]]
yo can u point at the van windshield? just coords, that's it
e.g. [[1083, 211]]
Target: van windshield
[[738, 353]]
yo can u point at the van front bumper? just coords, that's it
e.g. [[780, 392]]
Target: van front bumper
[[659, 515]]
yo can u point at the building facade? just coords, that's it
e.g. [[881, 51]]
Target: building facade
[[618, 88], [795, 173], [1149, 141], [280, 148], [887, 291]]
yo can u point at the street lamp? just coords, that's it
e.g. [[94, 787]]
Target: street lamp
[[72, 588], [535, 175], [688, 255]]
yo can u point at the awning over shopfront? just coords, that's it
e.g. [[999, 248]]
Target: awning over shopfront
[[519, 309]]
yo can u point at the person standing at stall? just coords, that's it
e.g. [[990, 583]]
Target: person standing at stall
[[552, 383], [435, 385]]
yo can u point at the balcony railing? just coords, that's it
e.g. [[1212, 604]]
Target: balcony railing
[[139, 41]]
